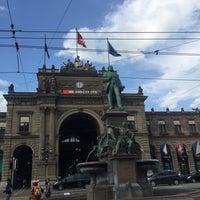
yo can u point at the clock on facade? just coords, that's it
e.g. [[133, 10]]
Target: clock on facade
[[79, 84]]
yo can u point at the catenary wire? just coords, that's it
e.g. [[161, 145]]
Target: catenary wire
[[105, 50], [19, 60]]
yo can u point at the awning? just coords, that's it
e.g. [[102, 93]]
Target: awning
[[180, 149], [196, 147]]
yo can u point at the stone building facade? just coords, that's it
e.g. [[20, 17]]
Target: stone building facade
[[174, 139], [47, 132]]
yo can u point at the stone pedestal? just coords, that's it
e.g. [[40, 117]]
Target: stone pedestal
[[122, 169], [120, 176], [114, 179], [115, 117]]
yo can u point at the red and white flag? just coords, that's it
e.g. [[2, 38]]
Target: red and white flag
[[80, 40]]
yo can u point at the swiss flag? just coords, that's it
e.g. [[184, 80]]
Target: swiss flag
[[80, 40]]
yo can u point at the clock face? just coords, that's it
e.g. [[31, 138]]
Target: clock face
[[79, 84]]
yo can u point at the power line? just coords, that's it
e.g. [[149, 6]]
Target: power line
[[102, 38], [156, 52], [123, 77], [112, 32], [19, 60]]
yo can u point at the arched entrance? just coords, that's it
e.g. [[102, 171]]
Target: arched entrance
[[22, 157], [182, 158], [77, 136], [166, 157]]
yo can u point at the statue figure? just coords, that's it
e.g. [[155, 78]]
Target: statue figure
[[11, 88], [140, 90], [105, 142], [53, 84], [115, 141], [78, 63], [114, 88], [126, 141], [69, 64], [44, 85]]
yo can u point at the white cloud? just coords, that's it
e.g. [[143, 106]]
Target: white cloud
[[154, 16], [4, 83], [2, 8]]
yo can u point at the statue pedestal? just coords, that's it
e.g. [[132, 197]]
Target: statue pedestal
[[114, 179], [121, 176], [115, 117]]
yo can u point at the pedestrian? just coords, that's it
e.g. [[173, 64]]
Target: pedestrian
[[24, 183], [8, 189], [35, 180], [36, 191], [48, 187]]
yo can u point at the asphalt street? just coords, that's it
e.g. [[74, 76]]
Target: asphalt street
[[80, 194]]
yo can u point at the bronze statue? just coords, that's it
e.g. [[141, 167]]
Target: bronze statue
[[115, 141], [114, 88]]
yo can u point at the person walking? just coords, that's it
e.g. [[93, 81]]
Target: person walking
[[48, 188], [8, 189], [36, 191]]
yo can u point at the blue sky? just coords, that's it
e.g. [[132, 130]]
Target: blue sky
[[136, 29]]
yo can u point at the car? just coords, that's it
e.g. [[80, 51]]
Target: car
[[165, 177], [75, 180], [193, 177]]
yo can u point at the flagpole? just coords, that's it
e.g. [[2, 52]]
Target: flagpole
[[76, 42], [44, 50], [108, 53]]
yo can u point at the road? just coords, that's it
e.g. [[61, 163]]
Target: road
[[79, 194]]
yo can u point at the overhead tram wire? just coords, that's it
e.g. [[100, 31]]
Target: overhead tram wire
[[67, 8], [123, 77], [19, 60], [54, 33], [114, 32], [102, 38], [105, 50]]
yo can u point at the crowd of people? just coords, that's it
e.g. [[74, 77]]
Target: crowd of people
[[37, 191]]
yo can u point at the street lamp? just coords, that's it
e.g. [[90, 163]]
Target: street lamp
[[45, 152]]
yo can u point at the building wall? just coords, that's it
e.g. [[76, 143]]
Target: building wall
[[49, 107]]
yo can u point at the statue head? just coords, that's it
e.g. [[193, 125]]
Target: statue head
[[110, 68]]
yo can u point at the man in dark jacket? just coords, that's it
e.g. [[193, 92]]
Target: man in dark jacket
[[8, 189]]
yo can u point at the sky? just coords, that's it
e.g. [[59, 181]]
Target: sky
[[159, 43]]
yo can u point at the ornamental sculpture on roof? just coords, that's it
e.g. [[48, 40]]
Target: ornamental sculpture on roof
[[76, 65]]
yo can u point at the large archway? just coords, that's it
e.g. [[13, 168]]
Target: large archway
[[23, 166], [77, 136]]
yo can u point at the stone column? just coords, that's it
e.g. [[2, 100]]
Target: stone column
[[52, 130], [42, 131]]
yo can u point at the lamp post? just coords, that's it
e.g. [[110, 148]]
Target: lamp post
[[45, 152]]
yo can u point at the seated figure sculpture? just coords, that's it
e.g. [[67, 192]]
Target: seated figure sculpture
[[115, 141]]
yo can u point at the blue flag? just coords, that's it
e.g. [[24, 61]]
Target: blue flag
[[46, 50], [112, 51]]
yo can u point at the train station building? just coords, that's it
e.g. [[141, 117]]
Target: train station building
[[47, 132]]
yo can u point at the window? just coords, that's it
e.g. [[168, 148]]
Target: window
[[177, 127], [148, 127], [24, 124], [131, 123], [161, 127], [2, 129], [192, 126]]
